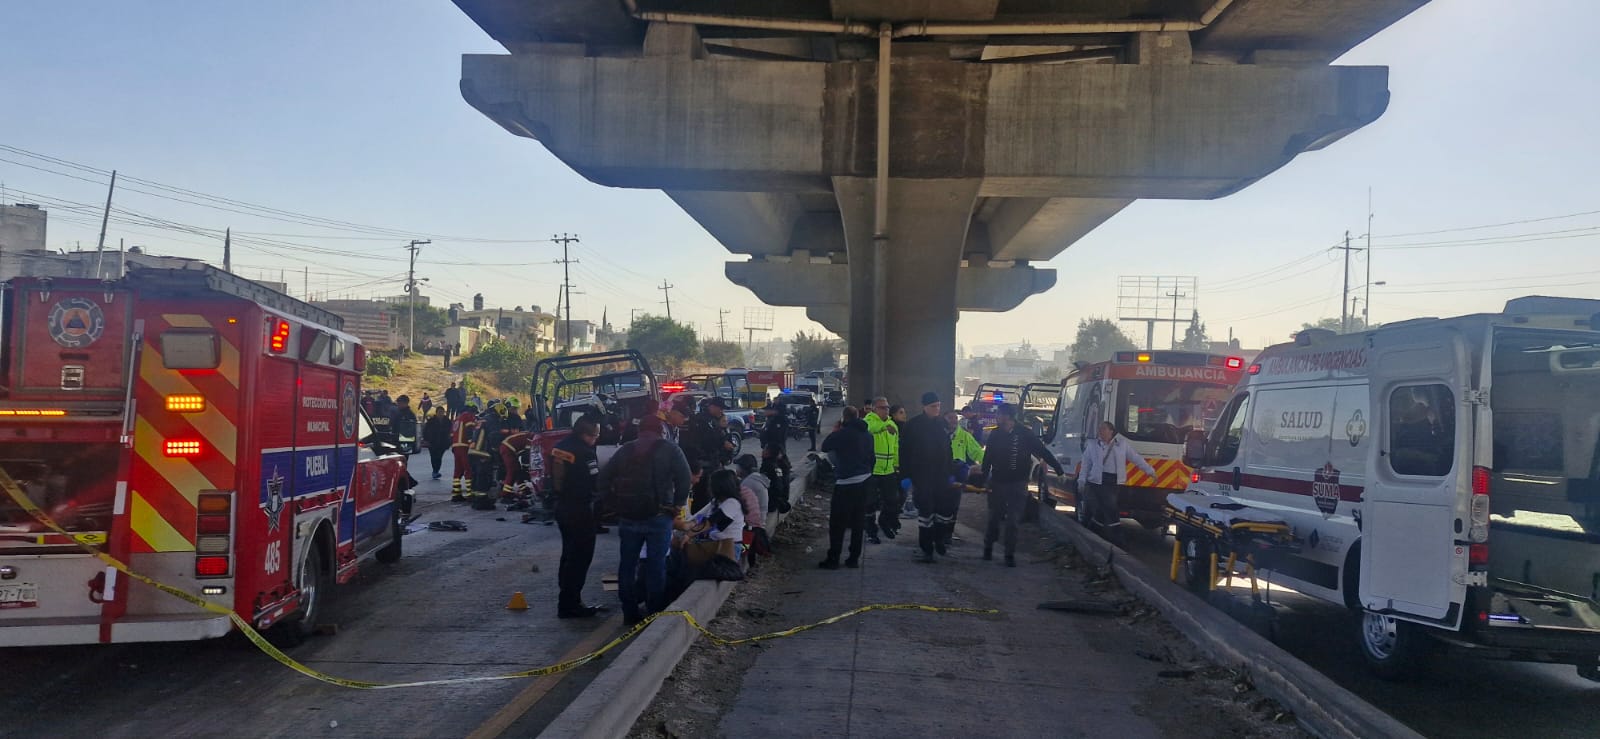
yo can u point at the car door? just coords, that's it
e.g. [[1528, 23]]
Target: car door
[[1411, 565]]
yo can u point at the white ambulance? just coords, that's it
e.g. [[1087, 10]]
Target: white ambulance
[[1442, 476]]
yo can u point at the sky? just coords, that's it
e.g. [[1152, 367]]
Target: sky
[[351, 112]]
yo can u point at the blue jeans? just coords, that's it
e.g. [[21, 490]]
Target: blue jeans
[[655, 536]]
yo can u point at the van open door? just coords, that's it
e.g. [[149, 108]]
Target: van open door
[[1412, 567]]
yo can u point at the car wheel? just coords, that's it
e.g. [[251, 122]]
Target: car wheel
[[1393, 649]]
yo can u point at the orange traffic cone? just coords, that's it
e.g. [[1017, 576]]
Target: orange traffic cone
[[518, 602]]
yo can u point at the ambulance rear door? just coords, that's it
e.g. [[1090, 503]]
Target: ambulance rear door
[[1411, 563]]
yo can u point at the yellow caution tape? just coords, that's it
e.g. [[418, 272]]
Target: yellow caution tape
[[11, 488]]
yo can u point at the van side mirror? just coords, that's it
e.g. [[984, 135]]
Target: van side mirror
[[1194, 449]]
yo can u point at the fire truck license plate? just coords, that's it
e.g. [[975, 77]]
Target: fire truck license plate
[[19, 595]]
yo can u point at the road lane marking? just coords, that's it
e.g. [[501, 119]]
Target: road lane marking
[[531, 695]]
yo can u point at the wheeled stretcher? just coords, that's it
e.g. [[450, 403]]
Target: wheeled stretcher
[[1216, 533]]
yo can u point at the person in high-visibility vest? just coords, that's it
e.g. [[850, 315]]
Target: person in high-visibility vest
[[883, 501], [464, 428]]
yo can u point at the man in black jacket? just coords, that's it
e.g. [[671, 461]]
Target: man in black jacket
[[436, 433], [925, 458], [1007, 460], [454, 399], [646, 482], [851, 449], [575, 471]]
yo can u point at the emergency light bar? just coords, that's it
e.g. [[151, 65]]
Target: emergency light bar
[[185, 403], [181, 448], [278, 341]]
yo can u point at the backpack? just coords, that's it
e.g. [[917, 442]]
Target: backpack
[[633, 492]]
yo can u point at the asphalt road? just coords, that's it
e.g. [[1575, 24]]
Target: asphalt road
[[1459, 697], [437, 613]]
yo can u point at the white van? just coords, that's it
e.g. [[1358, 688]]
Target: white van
[[1440, 475]]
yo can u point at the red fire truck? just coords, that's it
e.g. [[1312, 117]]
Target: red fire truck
[[201, 428]]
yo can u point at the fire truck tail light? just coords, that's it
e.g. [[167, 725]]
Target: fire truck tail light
[[211, 566], [214, 503], [181, 448], [211, 545], [361, 358], [213, 590], [1234, 363], [278, 340], [186, 403], [213, 525]]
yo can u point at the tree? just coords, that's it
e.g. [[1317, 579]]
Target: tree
[[812, 352], [1194, 337], [510, 364], [1098, 340], [430, 323], [722, 353], [1335, 325], [665, 342]]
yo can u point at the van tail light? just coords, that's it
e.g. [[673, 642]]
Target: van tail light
[[1234, 363], [1478, 513], [214, 533]]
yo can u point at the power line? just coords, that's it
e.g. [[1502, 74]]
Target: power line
[[1490, 225]]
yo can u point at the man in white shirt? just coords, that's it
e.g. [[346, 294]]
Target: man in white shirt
[[1105, 471]]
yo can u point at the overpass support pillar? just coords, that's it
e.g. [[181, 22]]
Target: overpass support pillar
[[928, 220]]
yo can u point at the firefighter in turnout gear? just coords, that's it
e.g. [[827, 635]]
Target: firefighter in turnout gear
[[485, 457], [461, 435], [511, 454]]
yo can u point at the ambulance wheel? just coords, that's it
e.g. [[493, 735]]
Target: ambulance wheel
[[1393, 649], [313, 586], [1197, 573], [390, 553]]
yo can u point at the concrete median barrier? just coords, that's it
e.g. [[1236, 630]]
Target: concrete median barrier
[[622, 691], [1319, 704]]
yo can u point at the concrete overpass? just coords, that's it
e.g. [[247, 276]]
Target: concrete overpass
[[888, 163]]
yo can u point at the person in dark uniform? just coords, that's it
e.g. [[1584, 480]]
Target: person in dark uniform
[[703, 441], [575, 471], [775, 458], [436, 432], [925, 458]]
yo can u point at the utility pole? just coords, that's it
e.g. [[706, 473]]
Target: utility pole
[[411, 292], [1344, 302], [100, 250], [566, 262], [721, 323], [666, 290], [1366, 305], [227, 251], [1174, 295]]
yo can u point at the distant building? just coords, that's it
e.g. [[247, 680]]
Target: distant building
[[22, 227], [533, 328], [375, 322], [583, 336]]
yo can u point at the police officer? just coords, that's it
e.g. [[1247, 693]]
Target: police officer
[[575, 471], [704, 441]]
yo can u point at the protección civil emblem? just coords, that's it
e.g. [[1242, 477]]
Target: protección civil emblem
[[76, 322]]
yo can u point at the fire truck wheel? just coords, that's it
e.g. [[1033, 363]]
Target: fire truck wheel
[[313, 587], [390, 553], [1394, 649]]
